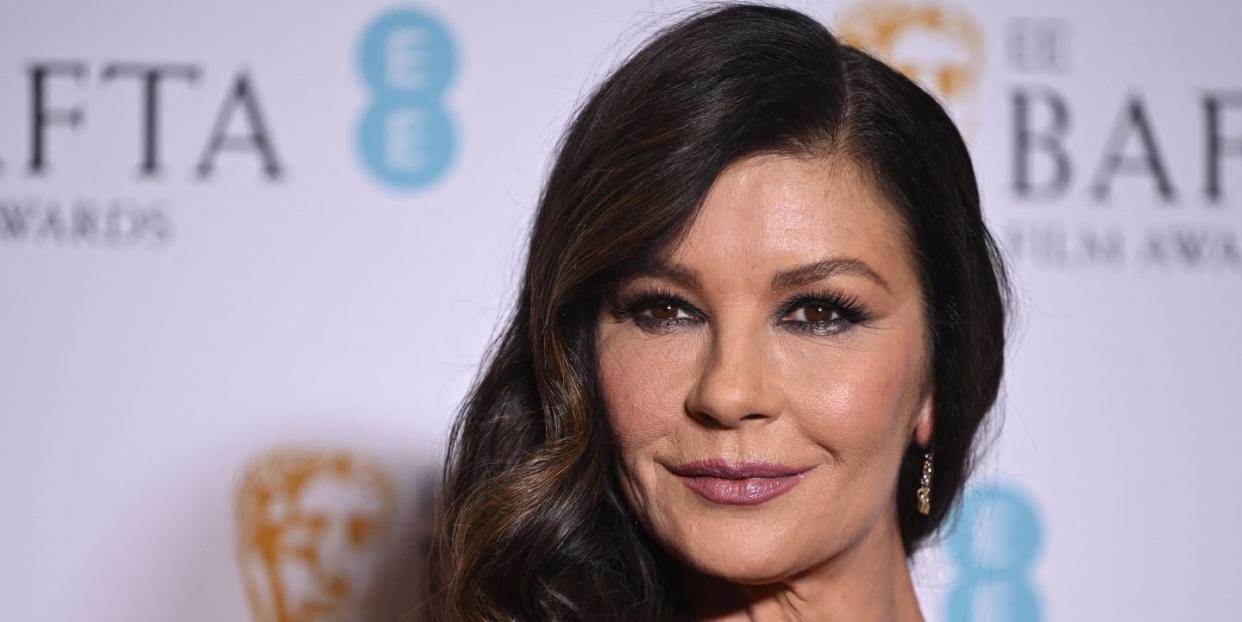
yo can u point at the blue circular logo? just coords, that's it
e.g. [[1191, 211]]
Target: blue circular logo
[[994, 542], [407, 60]]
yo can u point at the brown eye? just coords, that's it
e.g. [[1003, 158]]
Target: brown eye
[[664, 311], [816, 313], [659, 311]]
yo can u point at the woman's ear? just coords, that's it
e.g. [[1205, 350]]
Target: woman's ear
[[924, 420]]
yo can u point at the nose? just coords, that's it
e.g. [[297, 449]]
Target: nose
[[737, 382]]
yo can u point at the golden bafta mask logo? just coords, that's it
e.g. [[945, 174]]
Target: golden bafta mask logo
[[939, 47], [311, 530]]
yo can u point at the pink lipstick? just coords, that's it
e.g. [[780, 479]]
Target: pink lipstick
[[738, 483]]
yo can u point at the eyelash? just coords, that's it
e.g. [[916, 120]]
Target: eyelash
[[848, 307]]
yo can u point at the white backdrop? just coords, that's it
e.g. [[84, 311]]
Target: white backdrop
[[251, 253]]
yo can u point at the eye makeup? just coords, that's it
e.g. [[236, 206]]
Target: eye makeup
[[842, 310]]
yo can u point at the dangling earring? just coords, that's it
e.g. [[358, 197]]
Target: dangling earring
[[923, 494]]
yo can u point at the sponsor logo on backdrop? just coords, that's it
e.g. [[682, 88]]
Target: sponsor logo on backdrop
[[1135, 200], [941, 47], [312, 529], [994, 539], [60, 94], [406, 136]]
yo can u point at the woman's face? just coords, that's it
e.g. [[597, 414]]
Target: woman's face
[[764, 383]]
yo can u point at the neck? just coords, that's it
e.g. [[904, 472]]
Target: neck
[[868, 581]]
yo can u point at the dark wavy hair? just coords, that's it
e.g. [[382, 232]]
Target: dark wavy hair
[[533, 524]]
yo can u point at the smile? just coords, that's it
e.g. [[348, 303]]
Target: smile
[[738, 483]]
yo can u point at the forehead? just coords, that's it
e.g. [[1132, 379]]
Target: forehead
[[767, 212]]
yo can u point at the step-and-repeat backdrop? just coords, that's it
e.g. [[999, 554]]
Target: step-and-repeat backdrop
[[251, 254]]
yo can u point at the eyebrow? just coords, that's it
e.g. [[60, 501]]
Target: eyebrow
[[785, 279]]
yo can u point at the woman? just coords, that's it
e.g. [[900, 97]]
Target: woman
[[760, 324]]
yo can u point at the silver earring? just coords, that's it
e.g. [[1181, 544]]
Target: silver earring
[[923, 494]]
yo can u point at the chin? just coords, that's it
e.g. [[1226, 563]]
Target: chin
[[746, 569], [755, 555]]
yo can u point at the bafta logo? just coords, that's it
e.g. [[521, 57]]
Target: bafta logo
[[941, 48], [311, 529]]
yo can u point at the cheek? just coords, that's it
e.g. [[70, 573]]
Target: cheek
[[853, 399], [854, 402], [644, 383]]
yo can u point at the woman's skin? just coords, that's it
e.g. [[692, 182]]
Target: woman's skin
[[734, 377]]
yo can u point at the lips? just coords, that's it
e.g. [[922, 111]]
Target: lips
[[738, 483]]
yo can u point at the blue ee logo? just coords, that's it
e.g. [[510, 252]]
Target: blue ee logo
[[407, 61], [994, 542]]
